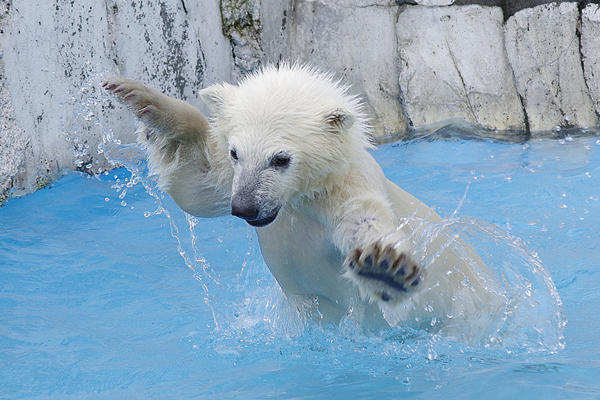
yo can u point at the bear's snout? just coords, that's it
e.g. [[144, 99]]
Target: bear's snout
[[250, 212], [244, 209]]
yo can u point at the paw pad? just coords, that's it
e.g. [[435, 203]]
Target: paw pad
[[383, 273]]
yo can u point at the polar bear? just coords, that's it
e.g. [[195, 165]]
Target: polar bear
[[286, 150]]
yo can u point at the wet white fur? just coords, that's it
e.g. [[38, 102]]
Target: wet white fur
[[333, 198]]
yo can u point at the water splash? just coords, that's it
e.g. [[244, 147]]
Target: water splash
[[483, 287], [92, 103], [532, 317]]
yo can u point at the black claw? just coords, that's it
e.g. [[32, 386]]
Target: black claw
[[384, 264], [351, 265], [415, 282], [357, 254], [369, 260], [385, 296], [401, 271]]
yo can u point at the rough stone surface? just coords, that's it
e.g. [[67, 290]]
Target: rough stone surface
[[412, 61], [13, 143], [242, 25], [453, 64], [54, 57], [173, 45], [12, 140], [357, 41], [590, 50], [510, 7], [543, 49], [434, 2]]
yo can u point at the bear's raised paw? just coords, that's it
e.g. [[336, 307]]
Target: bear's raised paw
[[383, 273], [146, 102]]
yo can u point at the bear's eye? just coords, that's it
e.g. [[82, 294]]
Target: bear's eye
[[233, 154], [281, 160]]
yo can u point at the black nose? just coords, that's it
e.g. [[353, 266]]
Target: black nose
[[244, 210]]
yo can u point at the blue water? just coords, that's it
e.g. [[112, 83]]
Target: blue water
[[108, 291]]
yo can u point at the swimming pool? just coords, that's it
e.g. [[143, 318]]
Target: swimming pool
[[108, 291]]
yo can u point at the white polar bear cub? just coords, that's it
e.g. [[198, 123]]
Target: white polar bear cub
[[286, 150]]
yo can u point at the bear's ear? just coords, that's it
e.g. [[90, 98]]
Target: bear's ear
[[339, 121], [216, 96]]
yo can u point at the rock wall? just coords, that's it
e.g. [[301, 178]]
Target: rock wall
[[496, 64], [544, 49], [517, 66], [354, 38], [54, 55], [454, 65]]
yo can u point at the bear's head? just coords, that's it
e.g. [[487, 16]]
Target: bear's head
[[289, 132]]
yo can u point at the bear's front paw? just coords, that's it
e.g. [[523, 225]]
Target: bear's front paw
[[143, 100], [383, 273]]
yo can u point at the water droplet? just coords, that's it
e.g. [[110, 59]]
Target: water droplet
[[106, 199], [431, 355]]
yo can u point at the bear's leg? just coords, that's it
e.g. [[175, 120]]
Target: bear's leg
[[172, 118], [179, 148], [383, 273]]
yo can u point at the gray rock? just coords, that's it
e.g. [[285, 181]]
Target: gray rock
[[434, 2], [13, 143], [356, 40], [56, 54], [242, 25], [174, 45], [509, 7], [590, 50], [453, 64], [49, 50], [543, 49], [412, 64]]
